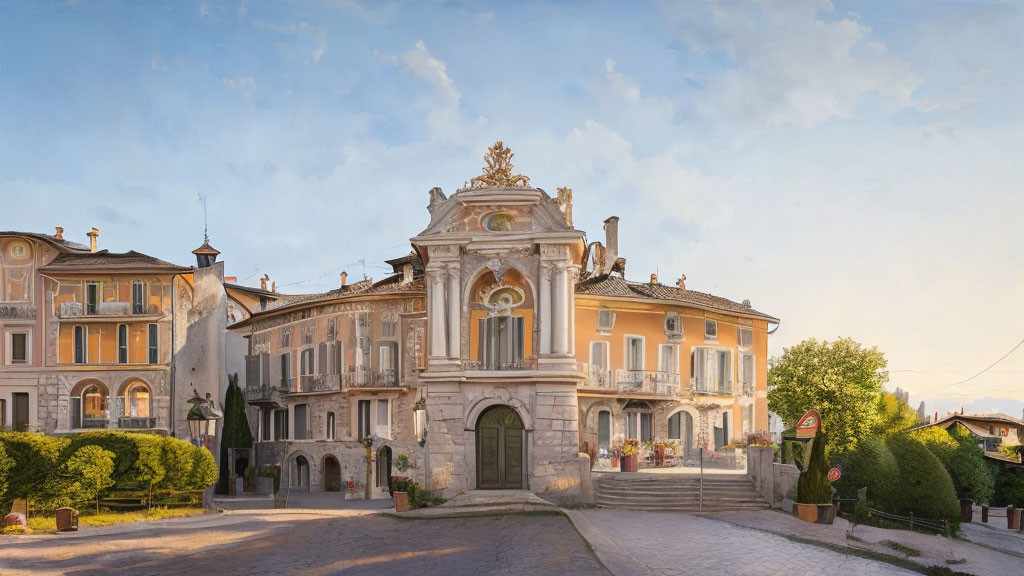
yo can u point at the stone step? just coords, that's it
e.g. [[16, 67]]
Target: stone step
[[666, 498], [688, 509], [678, 494]]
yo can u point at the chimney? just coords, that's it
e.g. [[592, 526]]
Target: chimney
[[273, 286], [60, 233], [344, 278], [936, 415], [611, 240], [681, 282], [654, 278], [93, 235], [263, 281]]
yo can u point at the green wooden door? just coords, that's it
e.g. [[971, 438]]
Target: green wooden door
[[499, 446]]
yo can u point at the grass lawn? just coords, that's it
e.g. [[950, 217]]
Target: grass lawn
[[88, 518]]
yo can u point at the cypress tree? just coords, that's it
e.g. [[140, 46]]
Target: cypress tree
[[813, 486], [236, 432]]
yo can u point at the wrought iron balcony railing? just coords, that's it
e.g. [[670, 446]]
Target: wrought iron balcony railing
[[711, 386]]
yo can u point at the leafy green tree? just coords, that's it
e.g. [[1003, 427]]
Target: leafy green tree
[[89, 472], [894, 414], [34, 474], [840, 379], [235, 433], [972, 476], [813, 486]]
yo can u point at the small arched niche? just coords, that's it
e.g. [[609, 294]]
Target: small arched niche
[[501, 321]]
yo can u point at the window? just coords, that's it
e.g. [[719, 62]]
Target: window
[[122, 343], [301, 422], [605, 320], [330, 425], [280, 424], [646, 421], [339, 358], [673, 326], [154, 344], [324, 362], [599, 355], [286, 338], [710, 329], [673, 426], [604, 432], [94, 404], [20, 418], [3, 413], [286, 370], [643, 432], [501, 343], [363, 416], [712, 370], [745, 337], [388, 362], [631, 425], [389, 327], [382, 429], [747, 373], [92, 297], [138, 297], [81, 336], [265, 416], [669, 359], [19, 348], [306, 358], [137, 400], [634, 353]]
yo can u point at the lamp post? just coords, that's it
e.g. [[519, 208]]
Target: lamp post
[[419, 416], [199, 417]]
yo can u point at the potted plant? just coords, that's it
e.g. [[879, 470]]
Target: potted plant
[[405, 493], [814, 492], [630, 450], [402, 463]]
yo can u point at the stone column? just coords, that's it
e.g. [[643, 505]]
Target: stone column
[[571, 297], [454, 312], [438, 343], [545, 308], [560, 295]]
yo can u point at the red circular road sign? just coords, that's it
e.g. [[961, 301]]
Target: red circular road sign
[[834, 473]]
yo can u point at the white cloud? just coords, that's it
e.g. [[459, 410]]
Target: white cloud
[[793, 66], [622, 86], [420, 62]]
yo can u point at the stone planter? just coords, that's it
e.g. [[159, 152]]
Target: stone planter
[[401, 501], [816, 513], [628, 463]]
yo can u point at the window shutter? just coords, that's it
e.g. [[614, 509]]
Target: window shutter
[[322, 366], [339, 357], [265, 370]]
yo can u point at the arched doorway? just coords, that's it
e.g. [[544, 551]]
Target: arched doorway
[[499, 449], [680, 428], [300, 474], [384, 467], [332, 474]]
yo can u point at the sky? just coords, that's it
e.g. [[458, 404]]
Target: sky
[[853, 168]]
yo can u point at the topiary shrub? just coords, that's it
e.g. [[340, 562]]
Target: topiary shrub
[[6, 463], [959, 453], [88, 472], [925, 488], [871, 465], [203, 471], [813, 486], [34, 474], [123, 445], [176, 458], [938, 442]]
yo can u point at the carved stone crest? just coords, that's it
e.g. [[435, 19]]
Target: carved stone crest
[[437, 198]]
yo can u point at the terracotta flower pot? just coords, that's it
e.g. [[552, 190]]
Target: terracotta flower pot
[[401, 501], [807, 512], [628, 463]]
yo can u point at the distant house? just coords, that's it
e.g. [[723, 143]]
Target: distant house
[[991, 430]]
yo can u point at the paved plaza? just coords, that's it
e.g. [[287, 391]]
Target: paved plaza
[[304, 544]]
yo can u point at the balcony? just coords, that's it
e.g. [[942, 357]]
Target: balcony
[[710, 386], [78, 311], [387, 378], [629, 381], [527, 364], [259, 394]]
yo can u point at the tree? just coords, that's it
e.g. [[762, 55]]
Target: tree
[[840, 379], [813, 485], [925, 488], [236, 432], [89, 472], [894, 414]]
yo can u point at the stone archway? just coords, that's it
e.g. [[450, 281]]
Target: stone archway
[[332, 474], [500, 449], [384, 467]]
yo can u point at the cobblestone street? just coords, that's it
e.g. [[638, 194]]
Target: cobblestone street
[[355, 542]]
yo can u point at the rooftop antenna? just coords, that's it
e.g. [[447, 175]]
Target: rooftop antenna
[[362, 262], [206, 236]]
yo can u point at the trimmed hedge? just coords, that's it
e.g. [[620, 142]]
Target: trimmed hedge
[[813, 486], [963, 459], [925, 488], [873, 466], [41, 466]]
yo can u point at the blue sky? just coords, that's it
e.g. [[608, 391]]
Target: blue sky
[[853, 168]]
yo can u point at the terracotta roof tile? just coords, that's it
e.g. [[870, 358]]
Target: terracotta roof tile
[[618, 287]]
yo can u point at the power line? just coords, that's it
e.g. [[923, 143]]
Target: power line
[[1004, 357]]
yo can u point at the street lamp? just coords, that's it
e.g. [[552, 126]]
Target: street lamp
[[199, 417], [419, 416]]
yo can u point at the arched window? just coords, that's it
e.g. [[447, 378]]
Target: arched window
[[89, 406], [300, 475], [137, 400]]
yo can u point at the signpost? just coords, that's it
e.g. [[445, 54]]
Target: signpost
[[808, 425], [835, 473]]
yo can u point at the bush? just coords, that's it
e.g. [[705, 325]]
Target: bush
[[123, 445], [176, 458], [871, 465], [924, 488], [203, 471], [89, 472], [34, 474], [963, 460], [1009, 489], [6, 463], [149, 467], [813, 486], [938, 442]]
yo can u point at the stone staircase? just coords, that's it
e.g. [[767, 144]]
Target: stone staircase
[[677, 492]]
